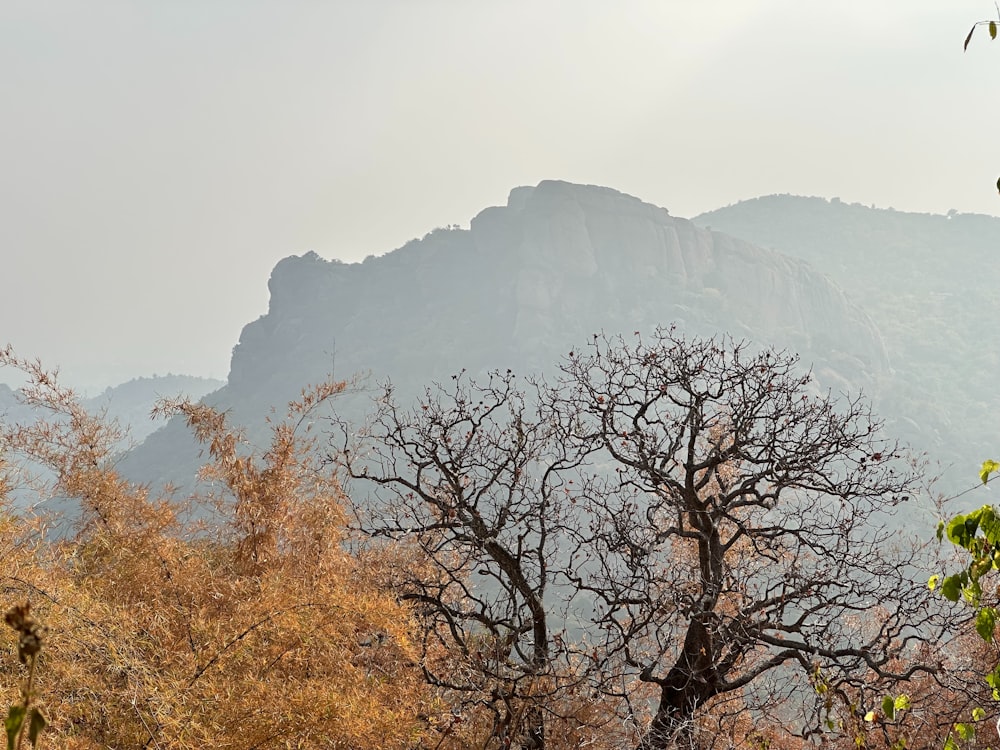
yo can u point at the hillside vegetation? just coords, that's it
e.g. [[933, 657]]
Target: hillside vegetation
[[300, 618], [924, 280], [258, 632], [564, 511]]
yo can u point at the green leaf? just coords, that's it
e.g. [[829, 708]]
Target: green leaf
[[966, 732], [980, 567], [993, 29], [988, 467], [971, 527], [870, 716], [932, 582], [902, 702], [986, 622], [989, 523], [965, 47], [951, 588], [950, 744], [38, 723], [13, 722], [993, 680], [889, 708], [940, 526], [972, 592], [956, 530], [978, 714], [962, 530]]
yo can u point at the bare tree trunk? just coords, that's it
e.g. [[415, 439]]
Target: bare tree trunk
[[690, 683], [535, 729]]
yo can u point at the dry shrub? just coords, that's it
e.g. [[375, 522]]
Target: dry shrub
[[258, 631]]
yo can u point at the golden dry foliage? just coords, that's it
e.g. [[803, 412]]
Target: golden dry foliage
[[258, 632]]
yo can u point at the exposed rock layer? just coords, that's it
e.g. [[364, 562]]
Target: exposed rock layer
[[526, 283]]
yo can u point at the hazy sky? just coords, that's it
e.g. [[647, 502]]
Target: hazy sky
[[157, 157]]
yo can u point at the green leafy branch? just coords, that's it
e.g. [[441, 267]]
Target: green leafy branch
[[891, 708], [964, 731], [891, 714], [978, 533]]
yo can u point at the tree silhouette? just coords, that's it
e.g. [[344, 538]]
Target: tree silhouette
[[695, 513], [475, 480], [745, 530]]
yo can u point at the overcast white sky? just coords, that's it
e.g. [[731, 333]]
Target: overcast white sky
[[157, 157]]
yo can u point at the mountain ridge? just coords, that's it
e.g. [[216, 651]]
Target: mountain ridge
[[923, 279], [525, 283]]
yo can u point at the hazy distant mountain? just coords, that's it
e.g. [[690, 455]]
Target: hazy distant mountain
[[927, 281], [130, 403], [526, 283]]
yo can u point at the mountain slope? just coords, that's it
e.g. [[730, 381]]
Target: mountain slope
[[129, 403], [524, 284], [925, 281]]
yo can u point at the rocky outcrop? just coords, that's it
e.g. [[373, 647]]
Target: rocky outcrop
[[559, 262], [596, 255], [525, 283]]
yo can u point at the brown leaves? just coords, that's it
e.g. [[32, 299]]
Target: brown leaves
[[255, 627], [30, 631]]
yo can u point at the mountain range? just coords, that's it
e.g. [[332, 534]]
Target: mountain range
[[129, 404], [530, 280], [924, 281]]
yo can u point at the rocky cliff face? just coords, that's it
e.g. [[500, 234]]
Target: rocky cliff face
[[525, 283], [531, 279]]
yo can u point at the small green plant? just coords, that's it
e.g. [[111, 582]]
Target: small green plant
[[978, 533], [24, 717]]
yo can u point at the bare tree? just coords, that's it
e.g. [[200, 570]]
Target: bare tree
[[744, 531], [693, 512], [476, 484]]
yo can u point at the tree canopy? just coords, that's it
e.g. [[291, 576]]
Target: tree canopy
[[693, 510]]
